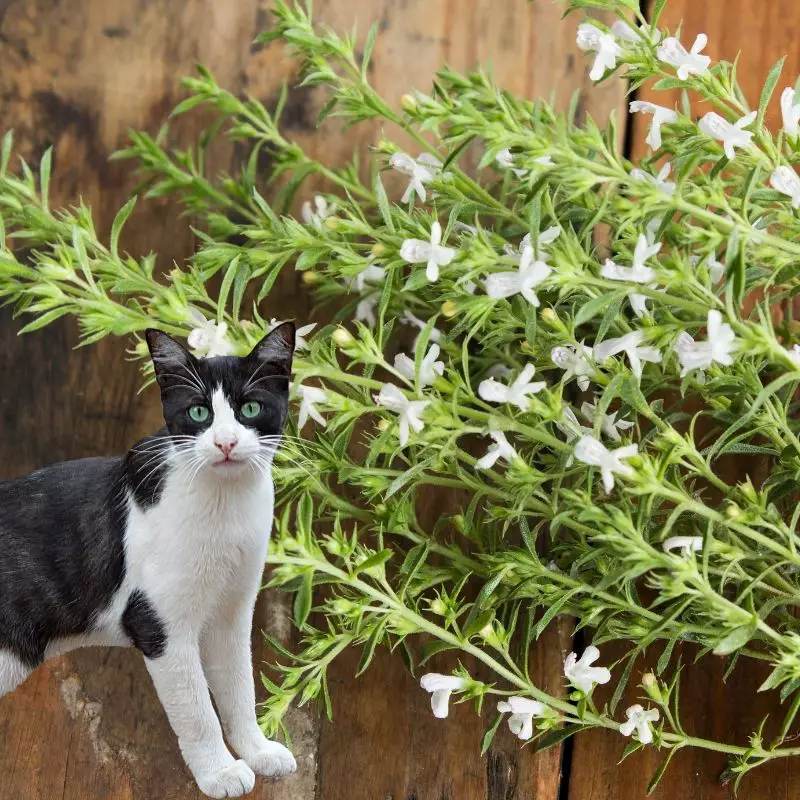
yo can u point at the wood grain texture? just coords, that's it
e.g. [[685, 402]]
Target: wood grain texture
[[762, 33], [77, 74]]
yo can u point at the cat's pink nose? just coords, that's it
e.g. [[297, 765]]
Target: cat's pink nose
[[226, 446]]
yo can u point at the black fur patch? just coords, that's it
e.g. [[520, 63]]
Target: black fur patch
[[61, 552], [142, 624]]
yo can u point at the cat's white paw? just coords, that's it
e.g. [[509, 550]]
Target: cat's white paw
[[235, 780], [272, 760]]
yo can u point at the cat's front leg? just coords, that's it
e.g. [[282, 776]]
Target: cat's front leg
[[182, 689], [227, 660]]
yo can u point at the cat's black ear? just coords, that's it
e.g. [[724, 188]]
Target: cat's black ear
[[276, 349], [167, 354]]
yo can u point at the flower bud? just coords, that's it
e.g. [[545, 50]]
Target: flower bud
[[380, 509], [332, 223], [379, 249], [449, 308], [459, 523], [342, 337], [548, 315], [333, 547], [650, 685], [733, 511], [310, 278], [437, 606], [383, 424], [408, 102]]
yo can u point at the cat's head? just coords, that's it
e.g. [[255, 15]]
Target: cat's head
[[225, 414]]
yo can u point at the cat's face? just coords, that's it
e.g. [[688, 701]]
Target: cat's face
[[225, 414]]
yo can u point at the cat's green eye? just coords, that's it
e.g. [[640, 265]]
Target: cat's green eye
[[251, 409], [199, 413]]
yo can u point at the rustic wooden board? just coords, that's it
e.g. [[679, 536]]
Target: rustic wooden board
[[763, 32], [77, 74]]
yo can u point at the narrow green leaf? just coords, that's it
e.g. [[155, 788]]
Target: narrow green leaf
[[119, 222], [45, 167], [769, 88], [302, 600], [736, 639]]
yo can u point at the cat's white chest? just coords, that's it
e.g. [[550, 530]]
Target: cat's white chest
[[200, 546]]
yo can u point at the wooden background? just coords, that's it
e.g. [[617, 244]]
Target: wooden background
[[77, 74]]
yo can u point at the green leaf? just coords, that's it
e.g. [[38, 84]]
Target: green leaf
[[488, 737], [119, 222], [44, 175], [736, 639], [375, 560], [383, 202], [662, 768], [588, 311], [302, 599], [369, 46], [766, 92], [224, 289], [556, 737], [372, 642]]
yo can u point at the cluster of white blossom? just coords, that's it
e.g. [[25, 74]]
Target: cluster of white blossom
[[579, 672]]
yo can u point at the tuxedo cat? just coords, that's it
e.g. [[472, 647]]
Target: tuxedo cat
[[162, 549]]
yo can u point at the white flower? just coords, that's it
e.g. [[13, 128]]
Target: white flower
[[731, 136], [317, 214], [701, 355], [505, 158], [409, 319], [570, 427], [421, 171], [686, 544], [631, 345], [208, 339], [660, 114], [639, 272], [529, 274], [365, 310], [309, 396], [522, 712], [441, 687], [417, 251], [625, 31], [500, 449], [659, 181], [545, 238], [581, 674], [672, 52], [576, 361], [408, 410], [594, 453], [610, 425], [640, 719], [786, 181], [601, 43], [429, 368], [300, 335], [545, 161], [716, 269], [794, 353], [790, 111], [368, 277], [516, 394]]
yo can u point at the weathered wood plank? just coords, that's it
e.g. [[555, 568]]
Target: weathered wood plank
[[729, 711], [76, 74]]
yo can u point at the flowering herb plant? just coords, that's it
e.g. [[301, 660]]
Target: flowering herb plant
[[570, 341]]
